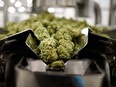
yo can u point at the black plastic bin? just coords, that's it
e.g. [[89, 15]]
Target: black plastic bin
[[12, 49], [103, 51]]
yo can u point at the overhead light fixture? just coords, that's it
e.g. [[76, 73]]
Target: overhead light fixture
[[1, 3], [29, 4], [51, 10], [21, 9], [18, 4], [11, 9], [29, 1], [12, 1]]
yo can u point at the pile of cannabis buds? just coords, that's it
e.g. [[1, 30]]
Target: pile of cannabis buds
[[59, 37]]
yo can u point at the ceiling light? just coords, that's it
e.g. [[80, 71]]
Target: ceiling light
[[1, 3], [21, 9], [29, 1], [51, 10], [11, 9], [18, 4], [12, 1]]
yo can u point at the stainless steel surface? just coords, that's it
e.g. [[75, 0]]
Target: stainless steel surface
[[75, 70], [36, 65], [76, 67]]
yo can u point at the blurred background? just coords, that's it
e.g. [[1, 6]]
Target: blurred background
[[95, 12]]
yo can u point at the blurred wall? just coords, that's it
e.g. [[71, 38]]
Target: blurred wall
[[1, 19], [99, 12], [88, 14], [93, 11], [105, 11], [112, 21]]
